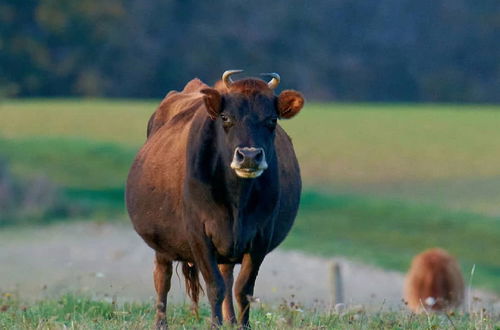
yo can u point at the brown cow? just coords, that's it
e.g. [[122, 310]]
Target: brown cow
[[216, 183], [434, 282]]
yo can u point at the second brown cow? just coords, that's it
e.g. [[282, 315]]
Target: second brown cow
[[434, 282]]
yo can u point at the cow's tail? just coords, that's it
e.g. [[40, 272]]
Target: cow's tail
[[192, 280]]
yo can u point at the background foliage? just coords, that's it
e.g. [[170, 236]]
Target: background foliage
[[372, 50]]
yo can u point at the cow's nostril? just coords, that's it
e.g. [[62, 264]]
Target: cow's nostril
[[258, 156], [240, 156]]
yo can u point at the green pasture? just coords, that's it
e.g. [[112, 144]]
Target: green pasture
[[381, 182], [439, 154], [74, 311]]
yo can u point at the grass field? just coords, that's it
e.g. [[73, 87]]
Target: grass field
[[441, 154], [382, 182], [81, 312]]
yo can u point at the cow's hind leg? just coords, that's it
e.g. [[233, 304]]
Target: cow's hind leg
[[162, 275], [245, 284], [227, 306]]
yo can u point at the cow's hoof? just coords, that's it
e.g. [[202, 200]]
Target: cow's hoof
[[161, 324]]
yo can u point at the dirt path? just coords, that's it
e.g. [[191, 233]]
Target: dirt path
[[106, 260]]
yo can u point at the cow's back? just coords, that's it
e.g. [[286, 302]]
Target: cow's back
[[175, 103]]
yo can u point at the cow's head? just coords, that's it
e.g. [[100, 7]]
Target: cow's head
[[246, 113]]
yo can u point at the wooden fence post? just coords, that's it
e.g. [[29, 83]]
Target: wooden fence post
[[336, 285]]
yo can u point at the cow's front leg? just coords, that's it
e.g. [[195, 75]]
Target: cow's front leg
[[245, 284], [227, 306], [204, 257], [162, 276]]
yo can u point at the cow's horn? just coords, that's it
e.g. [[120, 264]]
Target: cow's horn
[[273, 83], [226, 77]]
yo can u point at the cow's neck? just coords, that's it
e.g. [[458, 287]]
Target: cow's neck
[[251, 201], [239, 194]]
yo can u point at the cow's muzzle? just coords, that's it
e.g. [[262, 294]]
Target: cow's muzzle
[[249, 163]]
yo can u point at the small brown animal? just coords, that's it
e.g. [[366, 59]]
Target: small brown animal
[[434, 282]]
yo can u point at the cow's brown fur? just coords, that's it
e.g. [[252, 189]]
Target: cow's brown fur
[[434, 277], [188, 204], [174, 103], [250, 87]]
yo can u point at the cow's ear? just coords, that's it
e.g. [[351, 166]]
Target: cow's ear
[[213, 102], [289, 103]]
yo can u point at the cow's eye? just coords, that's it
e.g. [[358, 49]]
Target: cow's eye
[[271, 123], [226, 120]]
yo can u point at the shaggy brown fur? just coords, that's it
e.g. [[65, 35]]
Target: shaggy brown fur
[[434, 282]]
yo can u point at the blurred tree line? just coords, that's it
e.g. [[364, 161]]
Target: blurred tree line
[[369, 50]]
